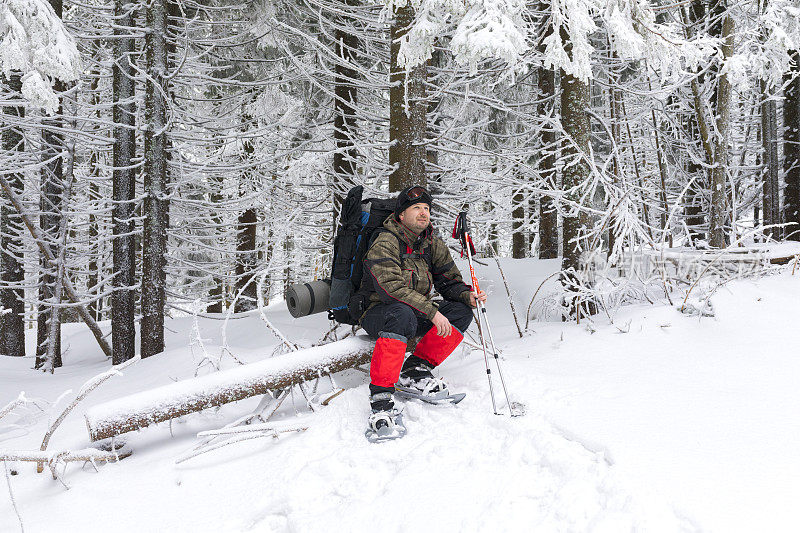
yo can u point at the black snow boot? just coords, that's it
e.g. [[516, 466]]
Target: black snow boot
[[385, 422], [417, 376], [415, 368], [380, 398]]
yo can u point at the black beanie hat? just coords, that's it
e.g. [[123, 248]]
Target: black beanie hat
[[409, 196]]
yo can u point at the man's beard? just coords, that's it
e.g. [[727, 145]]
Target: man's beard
[[418, 226]]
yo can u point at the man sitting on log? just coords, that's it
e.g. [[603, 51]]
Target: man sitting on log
[[402, 267]]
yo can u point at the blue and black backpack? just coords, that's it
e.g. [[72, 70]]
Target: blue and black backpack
[[359, 224]]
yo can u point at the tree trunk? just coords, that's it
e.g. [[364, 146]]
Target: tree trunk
[[154, 237], [344, 121], [719, 199], [246, 261], [407, 112], [216, 293], [496, 129], [574, 151], [791, 149], [96, 247], [615, 108], [434, 127], [574, 120], [574, 101], [693, 204], [771, 168], [123, 300], [50, 205], [48, 321], [548, 216], [288, 249], [519, 242], [12, 274]]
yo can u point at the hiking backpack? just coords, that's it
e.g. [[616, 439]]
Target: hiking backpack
[[356, 231]]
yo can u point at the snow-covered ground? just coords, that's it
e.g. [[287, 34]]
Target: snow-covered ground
[[658, 421]]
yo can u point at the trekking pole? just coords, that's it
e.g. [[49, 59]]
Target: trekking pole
[[462, 233]]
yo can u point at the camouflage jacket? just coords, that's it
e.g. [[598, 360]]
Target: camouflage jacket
[[388, 277]]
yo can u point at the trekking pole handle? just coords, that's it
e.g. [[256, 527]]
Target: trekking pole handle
[[462, 233]]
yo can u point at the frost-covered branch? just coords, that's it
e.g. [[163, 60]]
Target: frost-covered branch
[[84, 391]]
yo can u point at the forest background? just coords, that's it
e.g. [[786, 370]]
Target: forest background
[[187, 157]]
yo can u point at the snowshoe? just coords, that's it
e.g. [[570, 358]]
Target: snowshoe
[[385, 425], [417, 381], [427, 396]]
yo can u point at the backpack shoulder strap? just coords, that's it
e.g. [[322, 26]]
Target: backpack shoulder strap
[[427, 255]]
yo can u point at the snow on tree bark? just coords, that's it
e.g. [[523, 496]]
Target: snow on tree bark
[[791, 149], [12, 312], [123, 305], [407, 111], [154, 235]]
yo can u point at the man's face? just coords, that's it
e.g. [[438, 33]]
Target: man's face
[[417, 217]]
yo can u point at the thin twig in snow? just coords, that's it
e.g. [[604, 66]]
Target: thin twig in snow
[[508, 292], [13, 500]]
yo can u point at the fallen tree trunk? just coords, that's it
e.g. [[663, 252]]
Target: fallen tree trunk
[[177, 399], [65, 456]]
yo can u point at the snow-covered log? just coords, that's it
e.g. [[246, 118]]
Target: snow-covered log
[[54, 459], [177, 399], [64, 456]]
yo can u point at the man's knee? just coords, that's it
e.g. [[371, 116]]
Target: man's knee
[[459, 314], [400, 320]]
